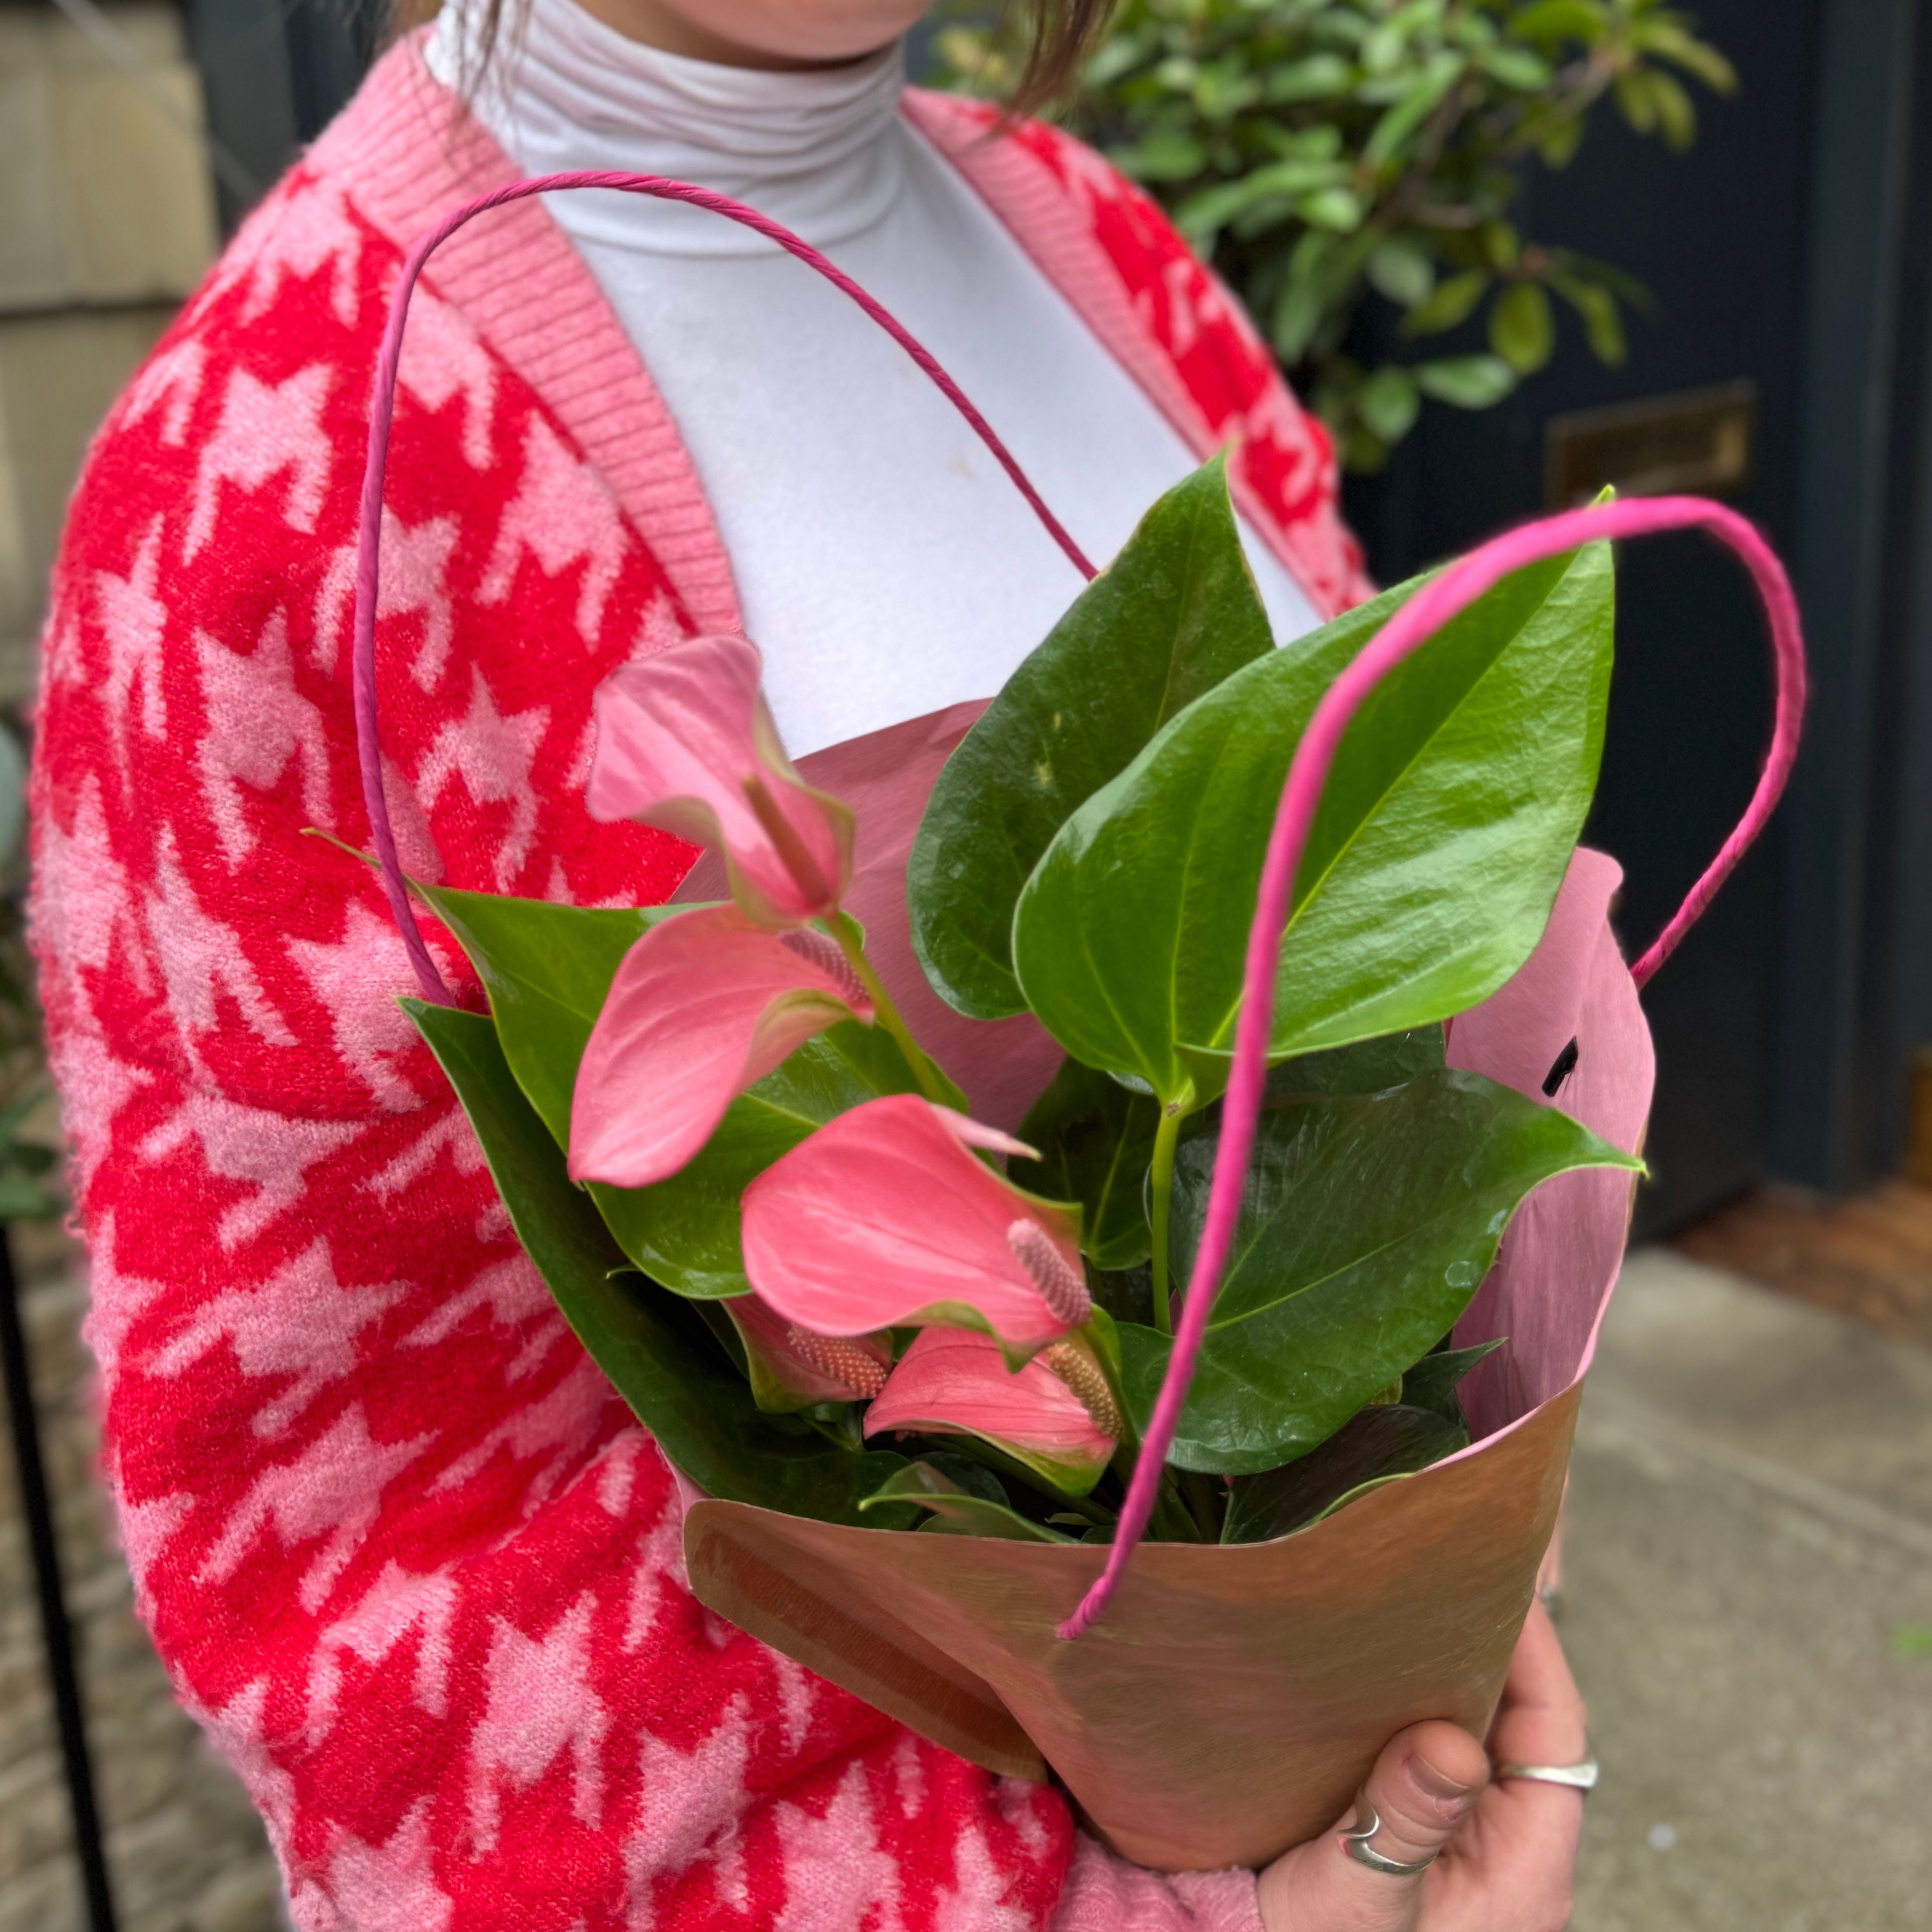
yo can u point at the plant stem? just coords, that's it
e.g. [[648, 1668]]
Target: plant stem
[[1204, 1496], [1173, 1522], [1161, 1190], [930, 1083]]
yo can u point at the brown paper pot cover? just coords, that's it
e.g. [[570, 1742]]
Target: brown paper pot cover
[[1230, 1699]]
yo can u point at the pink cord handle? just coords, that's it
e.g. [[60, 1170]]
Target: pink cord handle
[[1411, 627], [368, 550]]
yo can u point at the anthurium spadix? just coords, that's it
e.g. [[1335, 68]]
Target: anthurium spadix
[[702, 1006], [886, 1218], [793, 1368], [1055, 1414], [685, 742]]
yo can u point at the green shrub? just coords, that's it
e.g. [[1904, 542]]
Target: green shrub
[[1324, 151]]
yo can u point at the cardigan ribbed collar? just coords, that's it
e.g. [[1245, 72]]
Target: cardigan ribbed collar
[[407, 149]]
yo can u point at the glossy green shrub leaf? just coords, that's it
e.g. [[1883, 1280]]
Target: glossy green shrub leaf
[[1387, 402], [1367, 1223], [1175, 613], [1603, 320], [1095, 1140], [655, 1349], [1403, 271], [1452, 301], [1373, 1447], [1522, 329], [1468, 382], [24, 1200], [1448, 820]]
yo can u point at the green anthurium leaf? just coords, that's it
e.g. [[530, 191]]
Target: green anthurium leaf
[[655, 1349], [1432, 1382], [684, 1232], [1173, 615], [1443, 834], [1364, 1066], [1096, 1140], [964, 1474], [1367, 1223], [955, 1510], [546, 969], [1370, 1448], [1367, 1067]]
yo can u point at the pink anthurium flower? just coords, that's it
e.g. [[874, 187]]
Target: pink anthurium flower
[[685, 742], [705, 1005], [1056, 1414], [792, 1368], [885, 1218]]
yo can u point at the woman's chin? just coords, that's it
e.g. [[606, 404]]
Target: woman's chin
[[765, 33]]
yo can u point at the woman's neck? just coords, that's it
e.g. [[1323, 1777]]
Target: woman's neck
[[812, 147]]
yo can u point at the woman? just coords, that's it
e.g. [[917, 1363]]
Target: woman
[[410, 1560]]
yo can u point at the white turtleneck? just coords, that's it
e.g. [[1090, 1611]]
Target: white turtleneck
[[884, 563]]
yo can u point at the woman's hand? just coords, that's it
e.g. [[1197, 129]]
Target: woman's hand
[[1508, 1849]]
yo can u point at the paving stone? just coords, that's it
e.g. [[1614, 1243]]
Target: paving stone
[[1749, 1551]]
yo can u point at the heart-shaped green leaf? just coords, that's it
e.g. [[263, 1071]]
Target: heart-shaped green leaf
[[1096, 1140], [655, 1349], [1373, 1447], [1174, 613], [1367, 1223], [1368, 1066], [956, 1511], [1447, 822], [1432, 1382]]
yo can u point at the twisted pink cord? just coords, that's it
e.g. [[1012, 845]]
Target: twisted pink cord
[[368, 552], [1424, 614]]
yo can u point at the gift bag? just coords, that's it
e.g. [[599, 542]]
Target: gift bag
[[1204, 1703]]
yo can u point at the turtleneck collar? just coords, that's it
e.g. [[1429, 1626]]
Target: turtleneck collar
[[812, 150]]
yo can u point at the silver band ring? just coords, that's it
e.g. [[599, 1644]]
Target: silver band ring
[[1579, 1777], [1355, 1843]]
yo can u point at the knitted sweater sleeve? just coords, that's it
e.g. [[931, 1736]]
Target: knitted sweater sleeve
[[406, 1556]]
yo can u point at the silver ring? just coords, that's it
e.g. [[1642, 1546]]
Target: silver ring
[[1579, 1777], [1355, 1843]]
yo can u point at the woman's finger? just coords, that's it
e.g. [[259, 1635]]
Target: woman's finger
[[1424, 1786], [1541, 1720]]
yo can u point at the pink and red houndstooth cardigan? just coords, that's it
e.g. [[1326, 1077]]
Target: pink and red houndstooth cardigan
[[409, 1559]]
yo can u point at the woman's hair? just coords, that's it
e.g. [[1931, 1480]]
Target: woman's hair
[[1056, 36], [1059, 35]]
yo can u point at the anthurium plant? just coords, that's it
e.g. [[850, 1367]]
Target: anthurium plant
[[827, 1289], [1203, 1286]]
